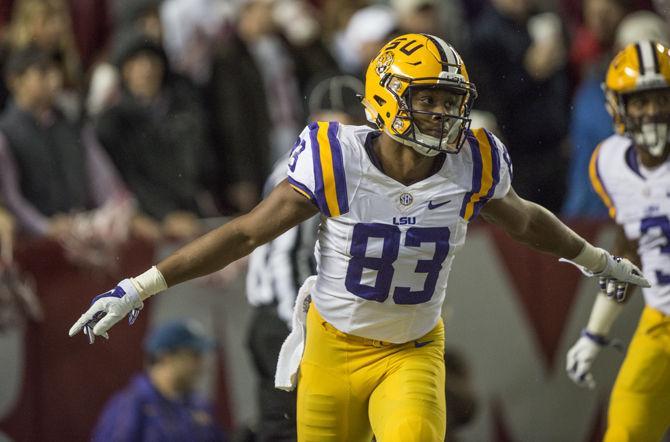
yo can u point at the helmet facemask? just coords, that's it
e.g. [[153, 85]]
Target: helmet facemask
[[649, 132], [452, 124]]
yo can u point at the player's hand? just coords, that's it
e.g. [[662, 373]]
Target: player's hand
[[580, 359], [617, 274], [109, 308], [614, 278]]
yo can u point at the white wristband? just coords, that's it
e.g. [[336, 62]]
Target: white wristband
[[149, 283], [604, 313], [593, 258]]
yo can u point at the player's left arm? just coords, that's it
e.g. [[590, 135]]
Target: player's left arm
[[582, 355], [535, 226]]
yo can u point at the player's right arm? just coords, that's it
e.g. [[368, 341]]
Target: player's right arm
[[281, 210], [605, 311]]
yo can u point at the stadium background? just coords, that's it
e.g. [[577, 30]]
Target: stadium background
[[510, 312]]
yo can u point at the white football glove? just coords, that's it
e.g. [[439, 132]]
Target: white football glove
[[580, 359], [109, 308], [615, 277]]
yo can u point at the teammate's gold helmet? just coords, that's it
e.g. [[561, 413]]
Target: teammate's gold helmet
[[407, 62], [640, 66]]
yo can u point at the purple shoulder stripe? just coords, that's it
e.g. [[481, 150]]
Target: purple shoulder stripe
[[338, 168]]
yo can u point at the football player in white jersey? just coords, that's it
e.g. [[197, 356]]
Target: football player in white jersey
[[631, 173], [395, 204]]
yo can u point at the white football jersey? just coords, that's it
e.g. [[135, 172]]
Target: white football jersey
[[384, 249], [639, 200]]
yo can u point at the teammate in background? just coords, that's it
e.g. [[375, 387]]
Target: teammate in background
[[631, 173], [278, 268], [395, 203]]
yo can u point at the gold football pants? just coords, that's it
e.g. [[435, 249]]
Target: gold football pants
[[351, 387], [640, 403]]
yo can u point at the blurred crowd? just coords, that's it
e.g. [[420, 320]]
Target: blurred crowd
[[142, 118]]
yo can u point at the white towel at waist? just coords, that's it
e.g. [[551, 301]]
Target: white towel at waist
[[290, 355]]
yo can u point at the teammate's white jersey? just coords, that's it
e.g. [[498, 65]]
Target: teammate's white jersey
[[639, 200], [384, 249]]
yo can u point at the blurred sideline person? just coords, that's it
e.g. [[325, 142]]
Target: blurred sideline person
[[278, 268], [395, 203], [160, 404], [631, 173]]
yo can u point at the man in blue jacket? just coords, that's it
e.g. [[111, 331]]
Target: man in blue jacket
[[159, 404]]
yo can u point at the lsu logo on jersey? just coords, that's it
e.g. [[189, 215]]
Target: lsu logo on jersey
[[404, 220]]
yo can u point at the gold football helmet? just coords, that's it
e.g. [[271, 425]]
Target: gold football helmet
[[418, 61], [641, 66]]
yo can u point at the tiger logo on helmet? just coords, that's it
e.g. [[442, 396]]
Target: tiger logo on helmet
[[411, 61], [641, 66]]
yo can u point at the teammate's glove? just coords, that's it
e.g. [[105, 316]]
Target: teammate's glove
[[615, 277], [109, 308], [580, 359]]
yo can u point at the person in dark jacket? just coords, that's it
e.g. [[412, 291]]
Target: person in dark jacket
[[521, 55], [157, 137], [50, 167]]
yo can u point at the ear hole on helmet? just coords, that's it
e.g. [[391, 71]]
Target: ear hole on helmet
[[380, 101]]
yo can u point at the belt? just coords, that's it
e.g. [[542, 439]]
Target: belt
[[354, 338]]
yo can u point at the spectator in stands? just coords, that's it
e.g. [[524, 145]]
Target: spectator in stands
[[360, 41], [298, 24], [444, 19], [47, 25], [157, 137], [522, 57], [594, 38], [255, 102], [130, 16], [161, 403], [192, 30], [50, 167], [139, 15], [590, 123]]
